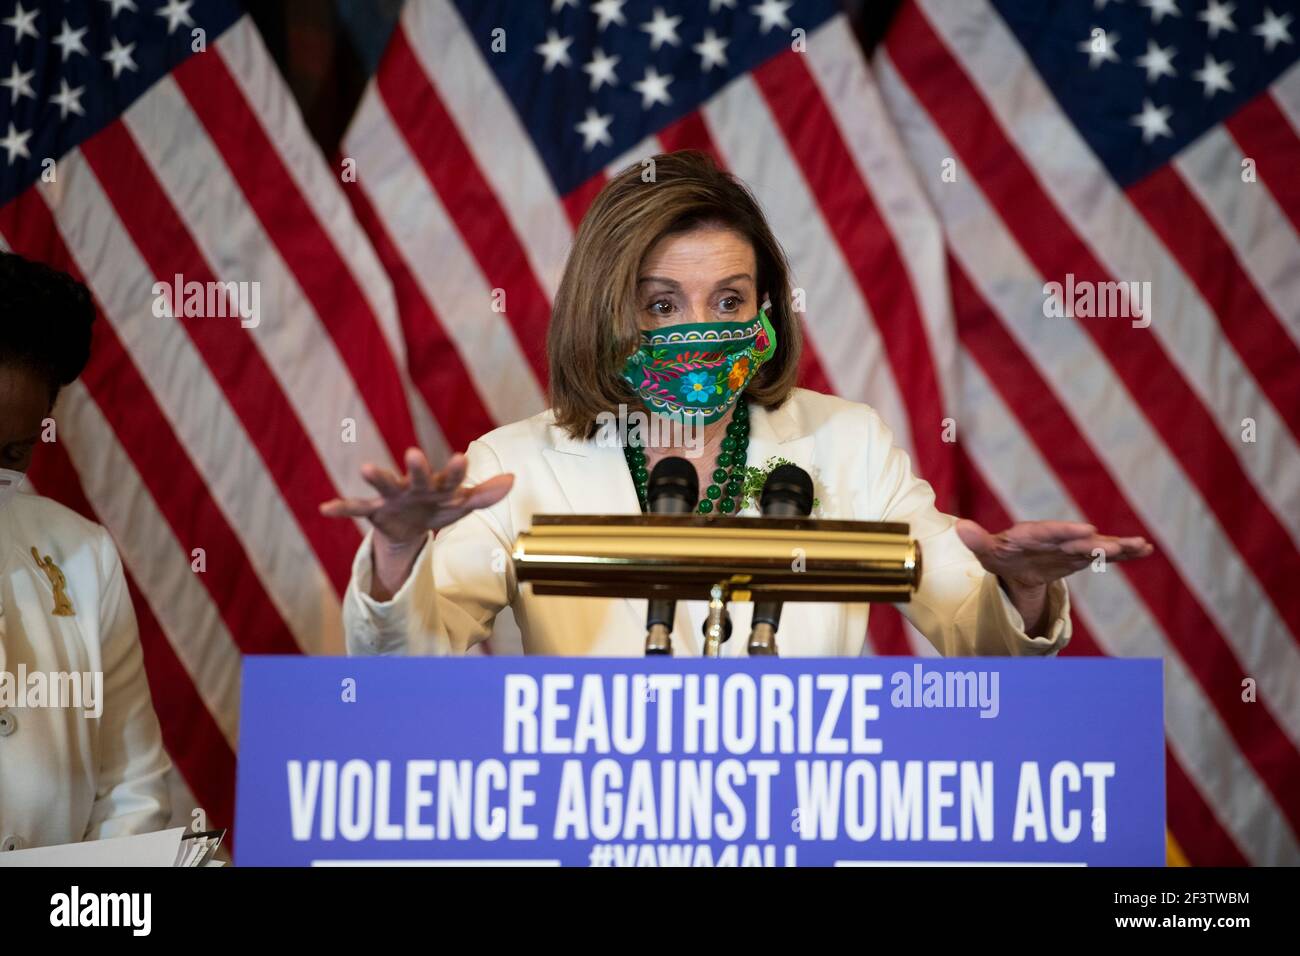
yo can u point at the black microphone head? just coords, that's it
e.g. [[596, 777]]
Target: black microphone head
[[790, 489], [673, 487]]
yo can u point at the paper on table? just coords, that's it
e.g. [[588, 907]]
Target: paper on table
[[146, 849]]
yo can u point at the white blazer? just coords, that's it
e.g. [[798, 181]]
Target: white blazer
[[464, 577], [64, 776]]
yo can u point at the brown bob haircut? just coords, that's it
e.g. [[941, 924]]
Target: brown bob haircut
[[594, 324]]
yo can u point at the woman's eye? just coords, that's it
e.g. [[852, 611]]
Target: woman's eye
[[662, 307], [730, 304]]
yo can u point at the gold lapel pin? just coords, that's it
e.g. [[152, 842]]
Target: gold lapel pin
[[62, 606]]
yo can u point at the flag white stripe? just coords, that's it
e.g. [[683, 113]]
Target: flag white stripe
[[158, 562], [839, 320], [448, 275], [1124, 627], [433, 441], [491, 129], [650, 146], [233, 472], [1117, 432], [1102, 216]]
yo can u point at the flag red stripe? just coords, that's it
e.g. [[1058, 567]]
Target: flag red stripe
[[442, 153], [691, 132], [192, 738], [1189, 431], [1193, 823], [248, 383], [1184, 226], [307, 249], [887, 631], [114, 382], [812, 374], [1265, 135], [579, 200], [1187, 626], [850, 211], [434, 363]]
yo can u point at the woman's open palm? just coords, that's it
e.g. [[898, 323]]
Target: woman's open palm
[[422, 500]]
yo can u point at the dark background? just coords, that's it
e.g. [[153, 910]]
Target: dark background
[[327, 50]]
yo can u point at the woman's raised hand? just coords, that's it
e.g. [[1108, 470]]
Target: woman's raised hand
[[1030, 555], [419, 501]]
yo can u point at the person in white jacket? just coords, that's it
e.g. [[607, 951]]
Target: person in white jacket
[[676, 306], [81, 754]]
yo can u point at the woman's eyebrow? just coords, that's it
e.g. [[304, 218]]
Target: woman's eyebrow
[[677, 285], [734, 278]]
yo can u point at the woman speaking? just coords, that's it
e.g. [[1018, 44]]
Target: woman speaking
[[690, 259]]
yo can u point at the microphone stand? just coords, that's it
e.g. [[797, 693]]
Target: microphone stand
[[717, 627], [658, 641], [762, 640]]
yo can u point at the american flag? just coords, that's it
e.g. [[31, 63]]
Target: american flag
[[925, 199]]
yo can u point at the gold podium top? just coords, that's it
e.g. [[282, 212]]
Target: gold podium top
[[682, 557]]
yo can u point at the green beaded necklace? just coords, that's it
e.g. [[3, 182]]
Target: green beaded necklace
[[728, 484]]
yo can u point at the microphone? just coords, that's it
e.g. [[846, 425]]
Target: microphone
[[673, 489], [787, 493]]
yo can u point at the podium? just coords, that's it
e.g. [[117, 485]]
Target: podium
[[670, 761]]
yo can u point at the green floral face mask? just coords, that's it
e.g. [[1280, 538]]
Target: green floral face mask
[[695, 372]]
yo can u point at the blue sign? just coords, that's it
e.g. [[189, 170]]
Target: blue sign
[[659, 762]]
